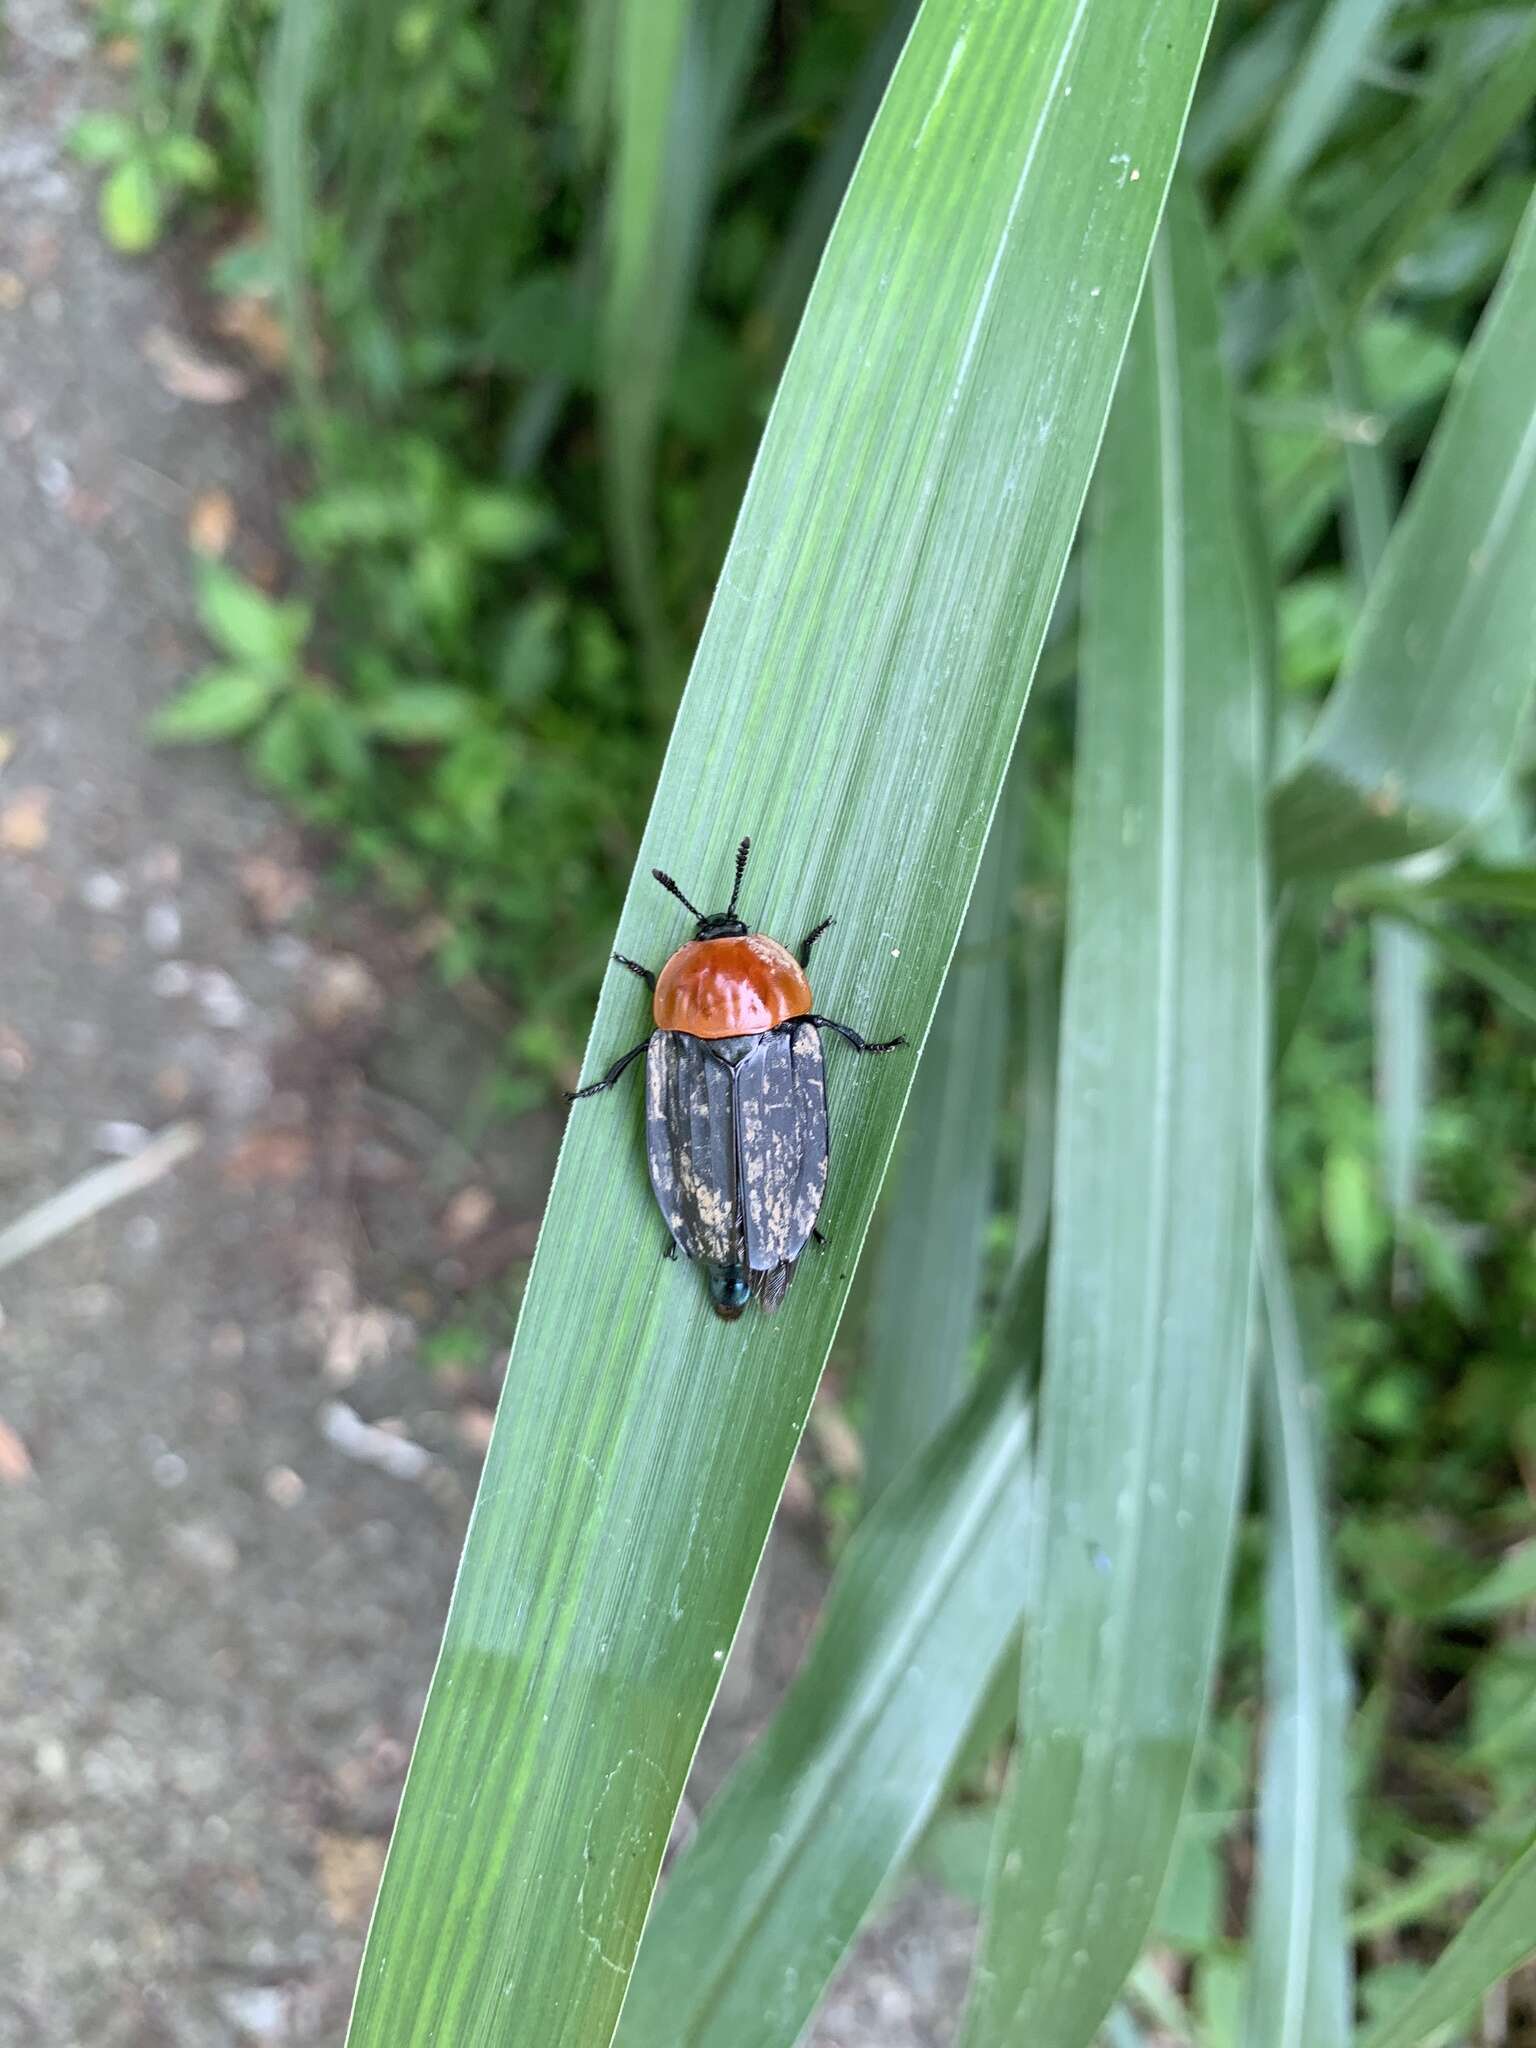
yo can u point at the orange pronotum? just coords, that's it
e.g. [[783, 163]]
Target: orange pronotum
[[725, 988]]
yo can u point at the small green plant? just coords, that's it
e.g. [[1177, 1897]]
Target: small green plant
[[146, 174], [260, 642]]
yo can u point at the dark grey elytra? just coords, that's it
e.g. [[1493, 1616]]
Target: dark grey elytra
[[736, 1133]]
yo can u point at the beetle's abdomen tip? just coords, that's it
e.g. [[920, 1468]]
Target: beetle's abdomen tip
[[730, 1290]]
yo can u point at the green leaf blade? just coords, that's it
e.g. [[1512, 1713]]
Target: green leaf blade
[[1464, 124], [131, 207], [1299, 1977], [1326, 75], [922, 1314], [1417, 736], [1159, 1137], [681, 68], [793, 1851], [218, 704], [247, 625], [854, 704], [1495, 1940]]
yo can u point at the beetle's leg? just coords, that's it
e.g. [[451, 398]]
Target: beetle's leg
[[669, 1249], [634, 967], [821, 1242], [612, 1075], [846, 1031], [811, 937]]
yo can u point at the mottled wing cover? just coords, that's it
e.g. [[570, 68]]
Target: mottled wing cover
[[781, 1129], [690, 1141]]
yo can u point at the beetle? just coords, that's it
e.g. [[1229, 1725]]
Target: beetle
[[735, 1100]]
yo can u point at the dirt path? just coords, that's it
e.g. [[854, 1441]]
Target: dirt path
[[218, 1609], [216, 1619]]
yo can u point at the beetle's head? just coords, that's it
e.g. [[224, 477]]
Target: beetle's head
[[724, 924]]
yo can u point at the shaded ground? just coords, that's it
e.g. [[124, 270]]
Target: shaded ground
[[219, 1610]]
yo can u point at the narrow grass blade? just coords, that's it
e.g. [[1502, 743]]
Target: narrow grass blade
[[1042, 1015], [1511, 1584], [1470, 883], [1296, 943], [1463, 128], [1497, 1939], [1242, 82], [401, 131], [592, 73], [1400, 985], [1468, 956], [1400, 966], [292, 77], [658, 164], [680, 70], [1159, 1140], [1418, 733], [1325, 77], [1371, 501], [749, 1929], [208, 26], [1299, 1967], [927, 1281], [854, 704]]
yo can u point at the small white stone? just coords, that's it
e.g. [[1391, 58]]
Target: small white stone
[[172, 978], [261, 2011], [162, 926], [120, 1139], [142, 1234], [53, 477], [223, 1001], [102, 892]]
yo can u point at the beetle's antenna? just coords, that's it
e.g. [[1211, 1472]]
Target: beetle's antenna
[[741, 868], [672, 889]]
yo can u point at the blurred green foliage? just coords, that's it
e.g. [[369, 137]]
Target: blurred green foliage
[[472, 696], [479, 715]]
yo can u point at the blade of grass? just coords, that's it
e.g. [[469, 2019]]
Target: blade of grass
[[788, 1860], [1042, 1011], [656, 165], [1497, 1938], [379, 176], [1419, 730], [1444, 1873], [1159, 1136], [1400, 976], [681, 68], [1241, 86], [928, 1269], [854, 703], [1459, 141], [1400, 984], [1327, 74], [292, 77], [207, 34], [1471, 883], [592, 73], [1299, 1969], [1371, 501], [1467, 956], [1296, 941]]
